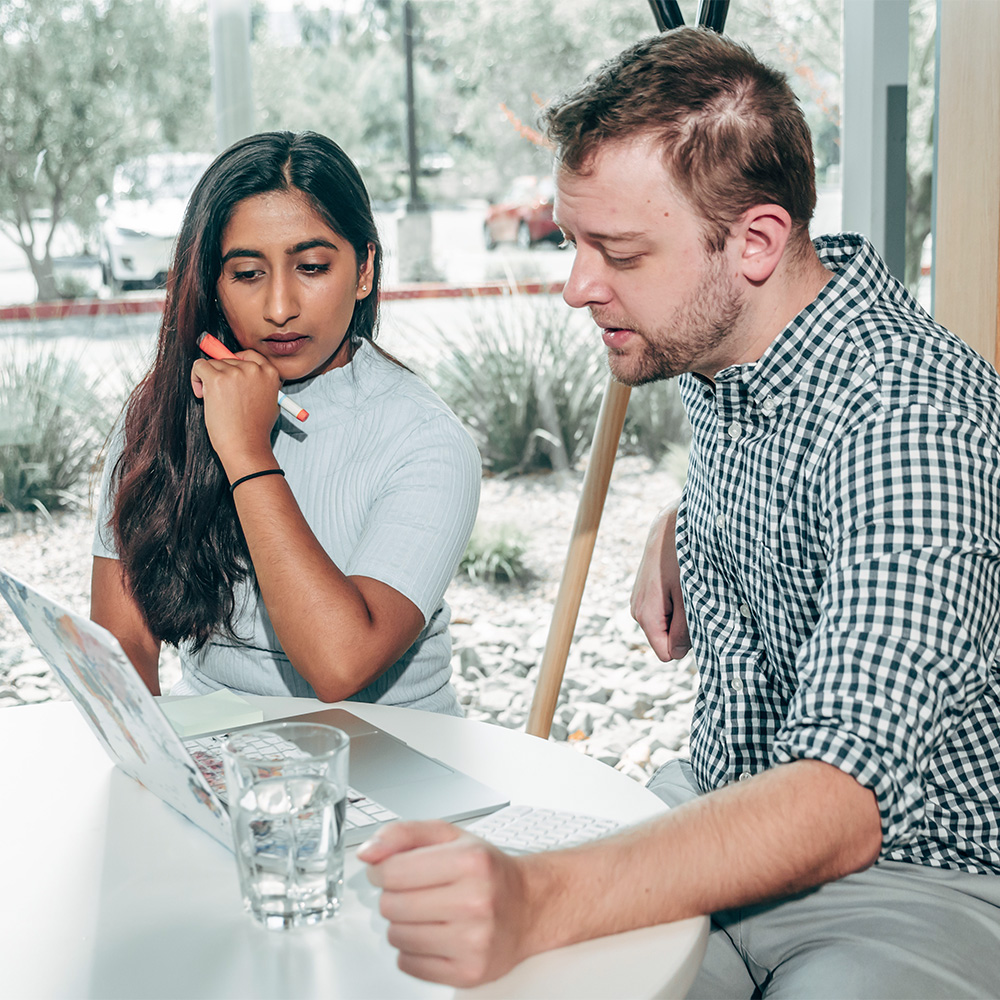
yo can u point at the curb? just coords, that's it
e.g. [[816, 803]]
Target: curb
[[130, 307]]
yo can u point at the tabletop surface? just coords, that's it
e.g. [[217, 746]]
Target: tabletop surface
[[117, 895]]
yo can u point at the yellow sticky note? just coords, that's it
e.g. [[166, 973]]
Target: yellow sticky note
[[206, 713]]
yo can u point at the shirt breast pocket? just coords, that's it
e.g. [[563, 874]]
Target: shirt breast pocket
[[792, 591]]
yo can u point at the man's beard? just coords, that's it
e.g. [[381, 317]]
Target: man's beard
[[695, 331]]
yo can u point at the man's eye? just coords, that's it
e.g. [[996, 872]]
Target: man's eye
[[623, 261]]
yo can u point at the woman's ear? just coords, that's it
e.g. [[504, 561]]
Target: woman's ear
[[366, 274], [763, 232]]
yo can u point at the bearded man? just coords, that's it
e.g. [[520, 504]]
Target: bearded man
[[834, 563]]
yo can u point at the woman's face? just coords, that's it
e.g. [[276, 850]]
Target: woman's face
[[289, 283]]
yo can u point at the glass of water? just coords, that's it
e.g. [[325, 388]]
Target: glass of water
[[287, 788]]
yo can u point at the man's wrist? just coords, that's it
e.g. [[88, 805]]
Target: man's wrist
[[548, 911]]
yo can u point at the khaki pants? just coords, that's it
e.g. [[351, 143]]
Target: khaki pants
[[894, 930]]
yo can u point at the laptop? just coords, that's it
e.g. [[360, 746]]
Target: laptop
[[125, 717]]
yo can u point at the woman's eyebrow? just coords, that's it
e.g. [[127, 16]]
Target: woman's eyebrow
[[240, 252], [309, 245], [291, 251]]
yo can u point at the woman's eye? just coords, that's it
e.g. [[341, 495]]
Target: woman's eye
[[245, 275], [314, 268]]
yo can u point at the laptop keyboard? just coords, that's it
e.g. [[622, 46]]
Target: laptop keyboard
[[362, 811], [530, 829], [513, 829]]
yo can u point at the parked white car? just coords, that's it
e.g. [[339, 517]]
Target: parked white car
[[143, 215]]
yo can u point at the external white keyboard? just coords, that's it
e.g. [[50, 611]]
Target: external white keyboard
[[530, 829]]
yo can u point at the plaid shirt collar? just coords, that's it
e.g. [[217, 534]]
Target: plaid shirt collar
[[860, 277]]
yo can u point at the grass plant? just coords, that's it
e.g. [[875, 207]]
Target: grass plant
[[655, 422], [495, 555], [526, 379], [53, 422]]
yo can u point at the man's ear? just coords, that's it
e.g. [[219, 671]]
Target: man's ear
[[763, 232]]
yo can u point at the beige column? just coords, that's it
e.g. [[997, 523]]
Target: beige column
[[967, 219]]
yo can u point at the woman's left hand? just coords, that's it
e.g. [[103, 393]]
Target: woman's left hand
[[241, 406]]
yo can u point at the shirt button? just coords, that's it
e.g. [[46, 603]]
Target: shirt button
[[734, 430], [745, 609], [720, 520], [768, 406], [744, 775], [736, 684]]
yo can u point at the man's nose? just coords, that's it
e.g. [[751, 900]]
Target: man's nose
[[585, 286]]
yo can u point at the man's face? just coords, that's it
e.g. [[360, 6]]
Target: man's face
[[665, 303]]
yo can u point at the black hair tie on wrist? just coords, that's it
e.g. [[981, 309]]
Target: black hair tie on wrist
[[254, 475]]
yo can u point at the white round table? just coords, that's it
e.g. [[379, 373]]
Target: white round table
[[110, 893]]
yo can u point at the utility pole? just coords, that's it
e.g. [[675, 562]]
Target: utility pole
[[415, 231], [416, 203], [231, 73]]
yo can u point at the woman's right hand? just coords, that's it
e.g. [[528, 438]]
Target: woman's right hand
[[240, 396], [657, 604]]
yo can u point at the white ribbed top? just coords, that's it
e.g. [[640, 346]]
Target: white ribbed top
[[388, 479]]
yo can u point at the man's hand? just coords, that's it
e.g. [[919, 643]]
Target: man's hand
[[462, 913], [656, 595], [456, 906]]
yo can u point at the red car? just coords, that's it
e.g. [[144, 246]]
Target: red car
[[524, 215]]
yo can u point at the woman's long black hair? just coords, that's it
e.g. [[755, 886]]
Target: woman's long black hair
[[180, 543]]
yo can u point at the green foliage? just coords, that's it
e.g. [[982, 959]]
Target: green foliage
[[73, 286], [504, 60], [495, 555], [53, 422], [655, 421], [527, 380], [676, 461], [85, 85], [920, 134]]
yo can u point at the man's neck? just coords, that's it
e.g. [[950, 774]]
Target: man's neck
[[771, 307]]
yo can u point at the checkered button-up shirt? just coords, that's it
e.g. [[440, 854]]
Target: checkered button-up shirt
[[839, 543]]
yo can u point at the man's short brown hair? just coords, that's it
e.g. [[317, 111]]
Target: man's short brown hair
[[731, 130]]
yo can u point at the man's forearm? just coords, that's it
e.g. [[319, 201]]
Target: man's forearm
[[787, 829]]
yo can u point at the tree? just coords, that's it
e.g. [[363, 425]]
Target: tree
[[85, 85], [805, 36], [919, 135], [351, 59], [486, 66], [506, 59]]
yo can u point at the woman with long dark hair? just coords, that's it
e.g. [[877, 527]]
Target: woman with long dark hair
[[281, 557]]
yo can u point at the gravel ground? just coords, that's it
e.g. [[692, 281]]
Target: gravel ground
[[618, 702]]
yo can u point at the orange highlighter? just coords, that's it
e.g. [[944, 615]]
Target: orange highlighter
[[214, 348]]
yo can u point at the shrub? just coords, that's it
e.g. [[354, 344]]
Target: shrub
[[495, 555], [655, 421], [527, 380], [53, 422], [676, 461], [74, 286]]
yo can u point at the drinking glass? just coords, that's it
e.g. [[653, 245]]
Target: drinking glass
[[286, 784]]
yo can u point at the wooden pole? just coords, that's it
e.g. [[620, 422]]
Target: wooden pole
[[610, 421]]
